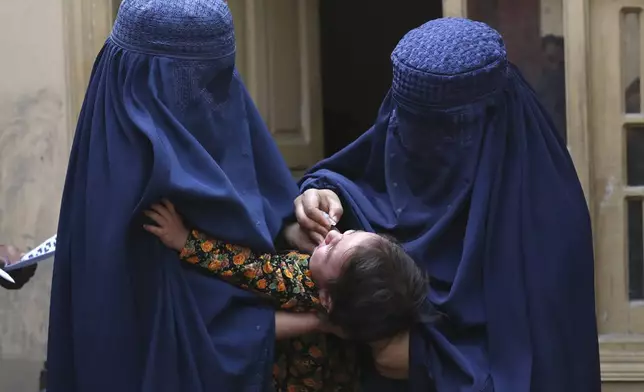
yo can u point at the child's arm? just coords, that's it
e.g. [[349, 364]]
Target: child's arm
[[278, 276], [282, 277], [288, 325]]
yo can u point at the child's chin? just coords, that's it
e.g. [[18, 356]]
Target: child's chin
[[313, 264], [313, 258]]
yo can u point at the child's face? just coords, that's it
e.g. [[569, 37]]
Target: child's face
[[328, 258]]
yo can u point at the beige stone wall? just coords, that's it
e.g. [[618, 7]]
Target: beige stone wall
[[34, 140]]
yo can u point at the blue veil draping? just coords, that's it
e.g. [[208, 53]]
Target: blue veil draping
[[466, 169], [165, 115]]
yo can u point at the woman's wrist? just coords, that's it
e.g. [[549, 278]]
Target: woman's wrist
[[289, 234]]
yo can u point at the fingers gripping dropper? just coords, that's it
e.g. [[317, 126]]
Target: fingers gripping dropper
[[331, 222]]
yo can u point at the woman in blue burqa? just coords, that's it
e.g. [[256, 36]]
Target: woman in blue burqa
[[466, 169], [165, 115]]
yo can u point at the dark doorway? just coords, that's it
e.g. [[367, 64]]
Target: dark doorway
[[358, 37]]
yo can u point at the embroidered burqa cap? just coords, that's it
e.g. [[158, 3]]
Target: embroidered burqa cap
[[469, 64], [165, 115], [198, 29], [464, 166]]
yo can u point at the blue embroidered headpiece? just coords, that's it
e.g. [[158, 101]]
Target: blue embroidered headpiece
[[200, 29], [447, 63]]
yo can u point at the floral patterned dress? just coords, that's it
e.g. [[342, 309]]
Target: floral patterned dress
[[313, 362]]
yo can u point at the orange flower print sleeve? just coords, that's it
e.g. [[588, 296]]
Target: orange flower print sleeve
[[282, 277]]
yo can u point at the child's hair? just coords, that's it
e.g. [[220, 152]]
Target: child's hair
[[380, 292]]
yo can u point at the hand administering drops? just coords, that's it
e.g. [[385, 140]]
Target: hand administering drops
[[318, 211]]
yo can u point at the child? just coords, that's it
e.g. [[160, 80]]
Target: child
[[364, 283]]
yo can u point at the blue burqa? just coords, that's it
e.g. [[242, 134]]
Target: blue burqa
[[466, 169], [165, 115]]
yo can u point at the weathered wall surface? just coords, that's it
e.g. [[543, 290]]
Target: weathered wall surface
[[34, 145]]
